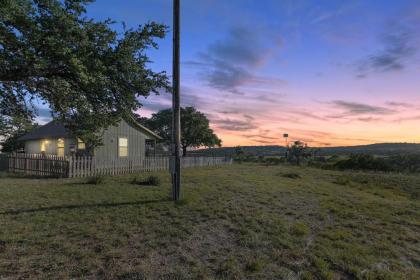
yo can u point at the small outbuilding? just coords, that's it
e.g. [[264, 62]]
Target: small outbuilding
[[128, 139]]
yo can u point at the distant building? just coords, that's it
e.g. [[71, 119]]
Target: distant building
[[128, 139]]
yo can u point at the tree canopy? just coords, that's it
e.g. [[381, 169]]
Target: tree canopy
[[89, 74], [299, 151], [195, 130], [11, 129]]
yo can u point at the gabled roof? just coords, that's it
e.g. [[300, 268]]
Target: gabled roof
[[53, 129], [56, 129], [130, 119]]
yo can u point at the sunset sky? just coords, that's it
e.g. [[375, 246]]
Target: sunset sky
[[326, 72]]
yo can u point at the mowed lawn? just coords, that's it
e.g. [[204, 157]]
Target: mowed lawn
[[237, 222]]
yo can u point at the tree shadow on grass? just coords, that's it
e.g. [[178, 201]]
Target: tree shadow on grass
[[19, 175], [82, 206]]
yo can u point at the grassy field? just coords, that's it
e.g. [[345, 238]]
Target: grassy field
[[238, 222]]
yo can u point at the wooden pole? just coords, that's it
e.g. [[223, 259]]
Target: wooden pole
[[176, 111]]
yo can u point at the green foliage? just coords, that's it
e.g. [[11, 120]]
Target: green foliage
[[238, 155], [274, 160], [229, 269], [12, 128], [149, 181], [245, 157], [95, 180], [405, 162], [251, 150], [328, 153], [299, 229], [323, 268], [299, 151], [12, 144], [342, 180], [89, 74], [153, 180], [255, 265], [364, 162], [194, 125], [291, 175]]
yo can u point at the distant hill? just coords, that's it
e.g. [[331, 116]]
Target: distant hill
[[373, 149], [249, 150]]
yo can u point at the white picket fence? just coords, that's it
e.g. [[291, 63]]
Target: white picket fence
[[89, 166], [75, 167]]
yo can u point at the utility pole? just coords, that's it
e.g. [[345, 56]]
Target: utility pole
[[176, 111], [286, 136]]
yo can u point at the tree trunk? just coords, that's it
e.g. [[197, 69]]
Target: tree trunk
[[184, 151]]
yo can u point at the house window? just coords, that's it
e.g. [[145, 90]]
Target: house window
[[122, 147], [60, 147], [80, 144], [44, 145]]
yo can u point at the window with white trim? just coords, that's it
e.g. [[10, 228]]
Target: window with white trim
[[80, 144], [60, 147], [44, 145], [122, 147]]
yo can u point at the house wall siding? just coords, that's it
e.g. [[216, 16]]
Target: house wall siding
[[136, 142], [34, 146], [68, 143]]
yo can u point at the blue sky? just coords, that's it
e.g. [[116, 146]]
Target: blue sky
[[326, 72]]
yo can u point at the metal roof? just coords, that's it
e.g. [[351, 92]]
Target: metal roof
[[133, 121], [56, 129], [53, 129]]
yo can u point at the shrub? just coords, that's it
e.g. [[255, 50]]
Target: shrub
[[274, 160], [333, 159], [320, 159], [291, 175], [95, 180], [149, 181], [402, 162], [363, 162], [229, 269], [299, 229], [153, 180], [343, 181], [405, 162], [254, 265]]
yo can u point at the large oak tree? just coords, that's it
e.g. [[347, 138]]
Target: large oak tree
[[89, 74], [195, 130]]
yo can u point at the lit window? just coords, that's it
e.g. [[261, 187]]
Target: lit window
[[80, 144], [122, 147], [44, 144], [60, 147]]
